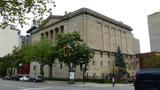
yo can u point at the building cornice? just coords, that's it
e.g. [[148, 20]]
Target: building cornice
[[84, 11], [98, 50]]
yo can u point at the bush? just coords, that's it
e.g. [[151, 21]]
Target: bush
[[57, 79], [90, 80]]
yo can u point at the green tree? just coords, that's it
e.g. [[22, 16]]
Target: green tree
[[72, 51], [20, 11], [151, 62], [16, 59], [120, 63], [18, 56], [30, 52], [42, 52], [5, 64], [11, 61]]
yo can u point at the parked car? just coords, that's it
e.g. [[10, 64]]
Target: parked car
[[7, 77], [36, 79], [148, 79], [24, 78], [16, 78]]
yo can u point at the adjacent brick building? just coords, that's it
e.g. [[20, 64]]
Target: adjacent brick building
[[144, 56]]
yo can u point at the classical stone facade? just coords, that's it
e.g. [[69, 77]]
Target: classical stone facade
[[101, 33], [154, 31]]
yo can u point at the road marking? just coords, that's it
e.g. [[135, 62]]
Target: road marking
[[5, 85], [37, 88]]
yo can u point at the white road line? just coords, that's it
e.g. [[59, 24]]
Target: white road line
[[5, 85], [37, 88]]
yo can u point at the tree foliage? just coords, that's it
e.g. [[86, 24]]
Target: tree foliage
[[19, 11], [77, 51], [151, 62], [4, 64], [120, 63], [12, 60], [42, 52]]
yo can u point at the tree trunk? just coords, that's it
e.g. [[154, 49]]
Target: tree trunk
[[50, 72], [71, 66]]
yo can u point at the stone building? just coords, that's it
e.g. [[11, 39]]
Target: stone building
[[154, 31], [101, 33]]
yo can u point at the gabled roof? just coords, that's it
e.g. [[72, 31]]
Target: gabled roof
[[85, 11], [50, 17]]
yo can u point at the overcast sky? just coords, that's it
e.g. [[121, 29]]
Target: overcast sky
[[131, 12]]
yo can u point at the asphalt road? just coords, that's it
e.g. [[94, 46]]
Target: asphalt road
[[18, 85]]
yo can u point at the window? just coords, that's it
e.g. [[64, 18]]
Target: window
[[93, 63], [109, 63], [61, 66], [57, 30], [62, 29], [101, 54], [93, 53], [102, 74], [34, 67], [51, 34], [94, 74], [46, 34], [42, 36], [108, 55], [101, 63], [80, 67]]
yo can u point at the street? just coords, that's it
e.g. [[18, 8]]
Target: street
[[59, 85]]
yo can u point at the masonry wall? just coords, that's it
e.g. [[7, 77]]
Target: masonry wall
[[102, 36]]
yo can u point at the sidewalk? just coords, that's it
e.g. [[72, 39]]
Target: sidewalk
[[85, 84]]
